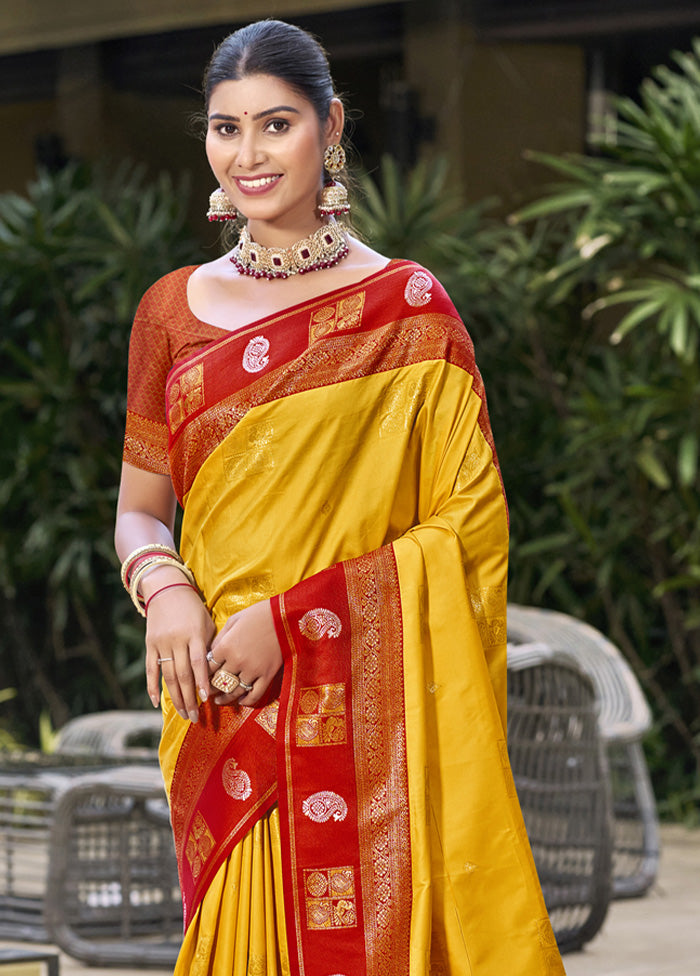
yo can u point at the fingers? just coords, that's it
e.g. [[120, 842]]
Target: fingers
[[153, 677], [228, 626], [185, 672], [241, 696], [200, 668], [178, 631], [176, 669]]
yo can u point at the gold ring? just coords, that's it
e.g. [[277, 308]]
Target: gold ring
[[225, 681]]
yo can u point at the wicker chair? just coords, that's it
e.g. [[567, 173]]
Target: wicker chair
[[558, 762], [120, 882], [624, 717], [113, 894], [129, 734], [30, 786]]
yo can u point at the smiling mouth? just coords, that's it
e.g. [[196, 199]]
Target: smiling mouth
[[257, 183]]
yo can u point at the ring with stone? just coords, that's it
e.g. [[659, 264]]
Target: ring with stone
[[244, 686], [212, 659], [225, 681]]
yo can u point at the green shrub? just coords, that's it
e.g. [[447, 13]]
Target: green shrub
[[585, 311], [75, 256]]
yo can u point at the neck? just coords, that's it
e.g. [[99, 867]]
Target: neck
[[275, 236]]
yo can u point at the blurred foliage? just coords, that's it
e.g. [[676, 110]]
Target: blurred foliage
[[585, 311], [76, 255]]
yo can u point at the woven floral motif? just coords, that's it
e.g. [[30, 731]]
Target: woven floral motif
[[417, 291], [185, 396], [267, 717], [321, 717], [323, 805], [235, 781], [200, 844], [488, 606], [345, 314], [255, 355], [319, 623]]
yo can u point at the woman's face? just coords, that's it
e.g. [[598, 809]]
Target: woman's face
[[265, 146]]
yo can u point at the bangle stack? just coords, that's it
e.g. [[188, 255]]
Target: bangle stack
[[141, 561]]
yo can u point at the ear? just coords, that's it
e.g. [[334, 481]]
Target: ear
[[333, 129]]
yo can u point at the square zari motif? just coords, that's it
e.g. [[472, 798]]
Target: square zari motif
[[321, 716], [345, 314], [330, 898]]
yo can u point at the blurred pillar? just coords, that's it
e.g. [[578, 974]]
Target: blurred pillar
[[493, 100], [79, 99]]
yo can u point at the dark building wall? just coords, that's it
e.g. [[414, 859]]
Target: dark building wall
[[420, 78]]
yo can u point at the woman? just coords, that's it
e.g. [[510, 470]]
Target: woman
[[331, 636]]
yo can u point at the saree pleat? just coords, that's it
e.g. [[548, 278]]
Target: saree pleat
[[238, 929]]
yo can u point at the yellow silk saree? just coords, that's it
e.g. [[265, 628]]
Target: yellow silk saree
[[337, 459]]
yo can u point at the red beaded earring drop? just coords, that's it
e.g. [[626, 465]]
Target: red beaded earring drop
[[220, 207]]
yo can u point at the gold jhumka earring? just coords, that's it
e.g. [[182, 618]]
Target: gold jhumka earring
[[334, 196]]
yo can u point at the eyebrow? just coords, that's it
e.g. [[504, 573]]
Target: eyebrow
[[258, 115]]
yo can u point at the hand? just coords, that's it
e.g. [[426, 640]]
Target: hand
[[247, 646], [178, 632]]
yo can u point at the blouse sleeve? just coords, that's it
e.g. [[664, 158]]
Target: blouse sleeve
[[150, 359]]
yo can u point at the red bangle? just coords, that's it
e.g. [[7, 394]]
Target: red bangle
[[170, 586]]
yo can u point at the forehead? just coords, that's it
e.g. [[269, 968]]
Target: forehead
[[255, 93]]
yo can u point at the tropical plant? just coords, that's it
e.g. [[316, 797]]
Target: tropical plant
[[636, 234], [415, 215], [75, 256], [585, 311], [627, 485]]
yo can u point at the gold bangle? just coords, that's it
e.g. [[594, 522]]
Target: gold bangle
[[153, 547], [152, 564]]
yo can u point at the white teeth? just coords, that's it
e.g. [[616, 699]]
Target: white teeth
[[252, 184]]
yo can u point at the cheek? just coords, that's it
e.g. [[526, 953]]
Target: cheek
[[310, 156], [213, 152]]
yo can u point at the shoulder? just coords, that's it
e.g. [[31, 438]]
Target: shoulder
[[167, 291], [420, 289], [423, 316], [415, 299], [163, 309]]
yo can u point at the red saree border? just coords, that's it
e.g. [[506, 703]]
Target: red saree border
[[380, 758], [224, 781], [343, 793], [224, 336], [333, 359]]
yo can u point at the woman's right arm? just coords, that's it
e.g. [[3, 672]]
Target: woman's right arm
[[179, 628]]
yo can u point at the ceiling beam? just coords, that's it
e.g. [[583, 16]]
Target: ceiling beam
[[41, 24]]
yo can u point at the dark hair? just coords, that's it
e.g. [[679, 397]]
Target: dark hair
[[272, 47]]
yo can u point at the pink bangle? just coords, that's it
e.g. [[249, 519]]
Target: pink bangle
[[170, 586]]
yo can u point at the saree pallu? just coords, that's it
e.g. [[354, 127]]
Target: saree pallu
[[363, 820]]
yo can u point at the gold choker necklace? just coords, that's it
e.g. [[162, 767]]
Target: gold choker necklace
[[325, 247]]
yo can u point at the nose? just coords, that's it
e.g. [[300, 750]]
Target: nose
[[249, 150]]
